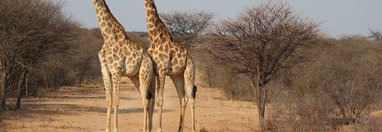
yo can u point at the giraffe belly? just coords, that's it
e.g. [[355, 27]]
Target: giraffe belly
[[176, 66], [130, 69], [174, 70]]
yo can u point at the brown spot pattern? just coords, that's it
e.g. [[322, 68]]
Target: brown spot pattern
[[175, 61]]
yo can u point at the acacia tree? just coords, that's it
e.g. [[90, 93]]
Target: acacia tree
[[375, 34], [261, 42], [29, 30], [186, 26]]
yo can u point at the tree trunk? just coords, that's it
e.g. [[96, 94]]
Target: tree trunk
[[261, 100], [26, 84], [261, 96], [3, 92], [20, 87]]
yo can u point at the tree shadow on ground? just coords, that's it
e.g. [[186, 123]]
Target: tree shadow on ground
[[46, 109], [2, 126], [36, 108]]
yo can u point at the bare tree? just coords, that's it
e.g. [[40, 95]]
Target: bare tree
[[84, 57], [375, 34], [34, 29], [186, 26], [261, 42]]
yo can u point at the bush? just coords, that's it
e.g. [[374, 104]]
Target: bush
[[338, 86]]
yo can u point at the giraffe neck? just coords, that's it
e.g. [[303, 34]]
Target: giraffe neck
[[107, 22], [155, 26]]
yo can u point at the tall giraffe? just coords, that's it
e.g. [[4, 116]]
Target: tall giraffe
[[173, 60], [121, 57]]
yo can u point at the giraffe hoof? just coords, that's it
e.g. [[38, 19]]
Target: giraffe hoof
[[159, 130]]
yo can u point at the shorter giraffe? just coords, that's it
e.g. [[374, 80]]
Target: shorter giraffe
[[171, 59], [121, 57]]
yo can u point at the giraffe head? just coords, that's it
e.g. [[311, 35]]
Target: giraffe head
[[151, 1], [102, 1]]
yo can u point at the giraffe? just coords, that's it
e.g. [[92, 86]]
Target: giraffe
[[173, 60], [119, 56]]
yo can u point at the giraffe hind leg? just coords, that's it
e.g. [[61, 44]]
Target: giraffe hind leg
[[151, 111], [140, 87], [147, 90], [151, 103], [146, 96], [179, 84], [191, 89]]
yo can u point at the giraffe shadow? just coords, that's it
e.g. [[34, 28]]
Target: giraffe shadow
[[127, 110], [86, 97]]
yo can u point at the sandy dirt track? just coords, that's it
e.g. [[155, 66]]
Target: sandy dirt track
[[83, 109]]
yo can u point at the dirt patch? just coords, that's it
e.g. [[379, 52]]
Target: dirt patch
[[83, 109]]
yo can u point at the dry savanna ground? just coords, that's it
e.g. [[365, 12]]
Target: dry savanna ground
[[83, 109]]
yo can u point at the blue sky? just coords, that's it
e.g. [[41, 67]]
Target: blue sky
[[338, 17]]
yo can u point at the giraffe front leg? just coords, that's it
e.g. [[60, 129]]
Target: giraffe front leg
[[108, 114], [107, 84], [115, 79], [160, 90], [108, 109]]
